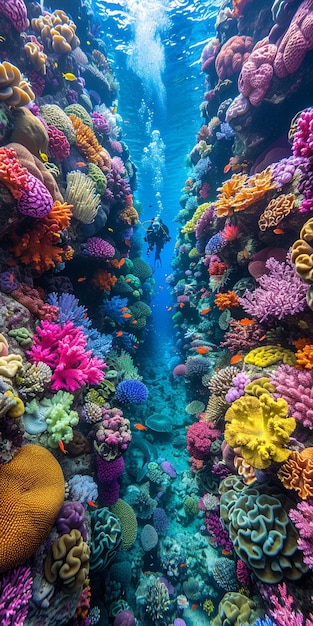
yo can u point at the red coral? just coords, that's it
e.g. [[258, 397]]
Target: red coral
[[59, 146], [12, 173], [31, 300]]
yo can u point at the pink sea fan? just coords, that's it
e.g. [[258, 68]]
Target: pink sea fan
[[296, 387], [63, 348], [281, 292]]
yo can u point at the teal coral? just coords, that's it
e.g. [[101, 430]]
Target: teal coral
[[106, 538]]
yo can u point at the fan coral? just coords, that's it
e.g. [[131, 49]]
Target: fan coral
[[30, 502], [281, 292], [297, 473], [81, 194], [131, 391], [276, 210], [262, 534], [260, 428], [63, 348]]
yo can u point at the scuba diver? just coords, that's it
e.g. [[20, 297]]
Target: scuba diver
[[157, 236]]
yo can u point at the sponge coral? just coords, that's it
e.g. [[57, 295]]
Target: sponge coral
[[31, 496], [260, 428]]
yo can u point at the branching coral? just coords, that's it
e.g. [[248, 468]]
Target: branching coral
[[260, 428], [296, 387], [226, 300], [281, 292], [302, 517], [242, 336], [12, 173]]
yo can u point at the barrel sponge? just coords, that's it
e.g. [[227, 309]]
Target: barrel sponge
[[128, 522], [32, 493], [260, 529]]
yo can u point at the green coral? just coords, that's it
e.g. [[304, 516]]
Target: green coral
[[60, 418], [128, 522], [260, 428], [106, 538], [79, 111], [141, 269], [98, 177], [269, 355], [22, 335], [261, 531], [191, 224], [191, 506], [259, 386]]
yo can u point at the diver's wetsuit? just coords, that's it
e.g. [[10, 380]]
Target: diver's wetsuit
[[157, 236]]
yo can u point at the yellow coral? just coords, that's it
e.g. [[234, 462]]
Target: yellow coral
[[297, 473], [191, 224], [14, 91], [302, 253], [269, 355], [129, 215], [259, 386], [240, 192], [57, 30], [260, 428], [19, 408]]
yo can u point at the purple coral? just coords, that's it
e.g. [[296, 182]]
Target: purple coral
[[296, 387], [72, 515], [108, 473], [15, 11], [95, 246], [281, 292], [37, 201], [15, 593], [302, 517], [283, 171], [303, 139], [238, 387], [113, 435]]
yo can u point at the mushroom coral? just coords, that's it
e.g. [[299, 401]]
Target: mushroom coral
[[31, 496], [263, 536], [260, 428]]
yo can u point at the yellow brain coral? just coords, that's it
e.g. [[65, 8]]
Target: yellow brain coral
[[297, 473], [260, 428], [302, 253], [269, 355], [32, 493]]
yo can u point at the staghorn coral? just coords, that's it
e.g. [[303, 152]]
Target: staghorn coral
[[302, 517], [276, 210], [242, 336], [296, 387], [302, 251], [240, 192], [264, 356], [281, 292], [263, 536], [297, 473], [260, 428], [87, 143], [30, 502], [68, 561], [81, 195]]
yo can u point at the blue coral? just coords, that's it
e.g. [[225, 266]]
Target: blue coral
[[113, 309], [98, 343], [69, 309], [131, 391], [215, 244]]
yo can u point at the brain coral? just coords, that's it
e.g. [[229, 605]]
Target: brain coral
[[31, 496], [261, 531], [106, 538], [68, 561], [297, 473], [128, 521], [235, 608]]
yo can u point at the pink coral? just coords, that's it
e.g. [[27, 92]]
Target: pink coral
[[12, 173], [15, 11], [302, 145], [200, 436], [256, 74], [113, 435], [59, 146], [232, 55], [296, 387], [180, 370], [296, 42], [63, 348], [302, 517]]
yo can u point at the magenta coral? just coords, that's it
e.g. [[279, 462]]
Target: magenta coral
[[256, 74], [113, 435], [180, 370], [296, 387], [200, 436], [302, 145], [302, 517], [282, 611], [108, 473], [15, 11], [95, 246], [63, 348], [37, 201], [242, 337], [59, 146], [281, 292], [15, 593], [12, 173]]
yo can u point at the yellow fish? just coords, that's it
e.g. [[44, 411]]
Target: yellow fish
[[44, 157], [69, 76]]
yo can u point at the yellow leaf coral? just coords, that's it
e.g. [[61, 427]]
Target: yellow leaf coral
[[240, 192], [269, 355], [260, 428]]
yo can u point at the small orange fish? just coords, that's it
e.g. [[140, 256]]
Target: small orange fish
[[226, 552], [202, 350], [127, 242], [11, 263], [61, 446], [227, 168], [183, 565], [136, 347], [121, 263], [140, 427], [124, 308], [81, 279], [127, 315], [278, 231], [263, 338], [91, 503], [128, 280], [81, 163], [182, 304], [134, 322], [194, 607], [236, 358], [11, 278], [205, 311], [114, 109], [246, 322], [119, 333]]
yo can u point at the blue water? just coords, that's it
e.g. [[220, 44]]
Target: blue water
[[155, 48]]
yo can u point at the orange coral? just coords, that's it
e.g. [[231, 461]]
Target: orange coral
[[304, 354], [297, 473], [276, 210], [129, 215], [87, 143], [14, 91], [238, 7], [226, 300], [57, 30], [234, 52], [103, 280], [38, 246], [241, 191], [12, 173], [61, 213], [32, 493]]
